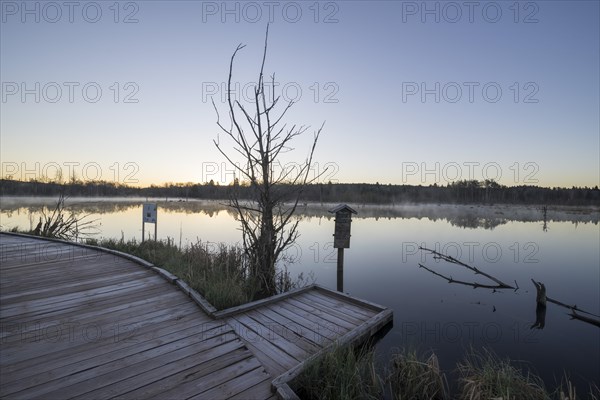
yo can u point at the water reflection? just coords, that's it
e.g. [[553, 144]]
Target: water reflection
[[541, 297], [509, 243], [463, 216]]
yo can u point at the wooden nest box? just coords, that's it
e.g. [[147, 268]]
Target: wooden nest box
[[343, 219]]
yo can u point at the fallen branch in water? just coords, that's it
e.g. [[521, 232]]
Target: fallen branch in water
[[541, 298], [474, 285], [450, 259], [573, 308], [592, 321]]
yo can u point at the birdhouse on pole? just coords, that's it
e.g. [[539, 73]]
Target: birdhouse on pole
[[343, 219], [341, 238]]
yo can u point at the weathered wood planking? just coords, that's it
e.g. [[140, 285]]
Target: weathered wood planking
[[77, 322], [300, 326], [84, 322]]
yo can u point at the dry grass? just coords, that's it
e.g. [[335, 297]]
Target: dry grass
[[484, 376], [567, 391], [344, 373], [219, 274], [414, 377]]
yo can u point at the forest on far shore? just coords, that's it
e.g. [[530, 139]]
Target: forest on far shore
[[460, 192]]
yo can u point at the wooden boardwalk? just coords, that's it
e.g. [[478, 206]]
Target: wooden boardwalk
[[78, 322]]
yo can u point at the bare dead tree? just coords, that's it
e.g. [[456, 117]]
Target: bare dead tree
[[260, 137]]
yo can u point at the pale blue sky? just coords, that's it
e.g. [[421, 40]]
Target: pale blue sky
[[374, 62]]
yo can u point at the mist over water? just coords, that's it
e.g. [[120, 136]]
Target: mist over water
[[513, 243]]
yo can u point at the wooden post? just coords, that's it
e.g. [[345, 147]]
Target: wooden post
[[340, 270], [143, 228]]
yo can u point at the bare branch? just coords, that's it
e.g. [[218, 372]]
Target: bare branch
[[474, 285], [266, 224], [477, 271]]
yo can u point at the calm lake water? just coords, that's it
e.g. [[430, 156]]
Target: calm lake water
[[508, 242]]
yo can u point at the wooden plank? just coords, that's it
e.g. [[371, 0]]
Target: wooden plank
[[324, 313], [108, 380], [39, 275], [62, 309], [50, 277], [130, 257], [324, 324], [268, 329], [367, 308], [261, 336], [262, 390], [255, 304], [364, 310], [272, 364], [208, 381], [339, 311], [201, 389], [360, 302], [238, 384], [346, 308], [64, 301], [24, 350], [363, 332], [309, 327], [289, 330], [83, 315], [274, 361], [128, 343], [41, 341], [203, 303], [52, 256], [165, 274], [70, 286], [51, 328], [202, 366], [284, 392], [17, 309], [91, 262], [313, 328], [146, 293]]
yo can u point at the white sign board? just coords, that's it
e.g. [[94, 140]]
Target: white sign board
[[149, 213]]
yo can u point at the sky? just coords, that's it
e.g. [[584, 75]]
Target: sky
[[410, 92]]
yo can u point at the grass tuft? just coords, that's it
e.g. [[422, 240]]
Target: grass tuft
[[483, 376], [414, 377], [344, 373]]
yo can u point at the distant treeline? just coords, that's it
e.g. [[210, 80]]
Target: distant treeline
[[462, 192]]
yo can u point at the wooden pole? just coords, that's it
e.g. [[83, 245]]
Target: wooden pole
[[155, 228], [340, 270], [143, 226]]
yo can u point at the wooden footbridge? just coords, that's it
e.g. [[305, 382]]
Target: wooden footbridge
[[83, 322]]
